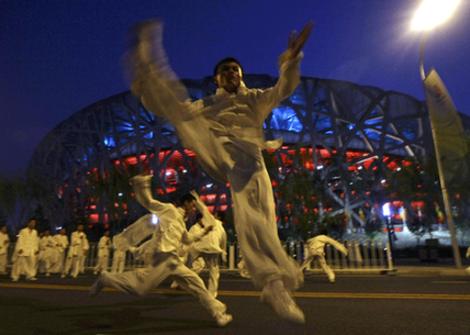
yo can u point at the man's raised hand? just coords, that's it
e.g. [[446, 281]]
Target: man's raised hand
[[297, 40]]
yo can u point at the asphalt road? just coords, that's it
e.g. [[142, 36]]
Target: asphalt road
[[362, 305]]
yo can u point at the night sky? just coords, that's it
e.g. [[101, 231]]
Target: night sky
[[57, 57]]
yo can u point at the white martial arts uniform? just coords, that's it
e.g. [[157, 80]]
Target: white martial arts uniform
[[75, 254], [170, 233], [119, 258], [104, 246], [4, 243], [242, 269], [26, 251], [226, 133], [210, 248], [84, 255], [46, 254], [61, 243], [316, 251]]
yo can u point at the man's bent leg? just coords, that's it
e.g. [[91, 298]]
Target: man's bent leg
[[193, 284]]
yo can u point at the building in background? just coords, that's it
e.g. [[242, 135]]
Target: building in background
[[348, 149]]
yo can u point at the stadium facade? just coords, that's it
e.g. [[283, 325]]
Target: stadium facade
[[342, 142]]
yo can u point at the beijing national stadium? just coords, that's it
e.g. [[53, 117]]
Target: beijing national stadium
[[354, 159]]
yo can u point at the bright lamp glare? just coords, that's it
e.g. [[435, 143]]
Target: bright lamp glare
[[386, 209], [432, 13], [155, 219]]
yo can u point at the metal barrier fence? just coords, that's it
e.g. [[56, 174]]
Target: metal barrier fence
[[365, 255]]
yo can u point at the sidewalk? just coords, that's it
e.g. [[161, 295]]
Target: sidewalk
[[411, 271], [431, 271]]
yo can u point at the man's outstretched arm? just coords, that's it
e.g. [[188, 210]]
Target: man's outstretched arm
[[153, 80], [289, 73]]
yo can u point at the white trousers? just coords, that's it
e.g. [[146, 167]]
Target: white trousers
[[3, 264], [119, 262], [212, 263], [45, 262], [72, 266], [102, 264], [255, 222], [81, 263], [58, 264], [323, 264], [141, 281], [24, 265]]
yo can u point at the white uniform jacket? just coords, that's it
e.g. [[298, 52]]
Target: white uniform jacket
[[28, 242]]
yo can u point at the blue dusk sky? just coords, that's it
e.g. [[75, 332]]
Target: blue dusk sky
[[59, 56]]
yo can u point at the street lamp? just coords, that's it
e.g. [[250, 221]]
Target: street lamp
[[429, 15]]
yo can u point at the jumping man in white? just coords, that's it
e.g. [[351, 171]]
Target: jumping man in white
[[316, 251], [170, 233], [226, 132]]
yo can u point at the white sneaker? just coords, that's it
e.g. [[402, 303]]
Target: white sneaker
[[32, 279], [223, 319], [276, 295]]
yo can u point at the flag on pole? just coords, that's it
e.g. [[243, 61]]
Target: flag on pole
[[447, 126]]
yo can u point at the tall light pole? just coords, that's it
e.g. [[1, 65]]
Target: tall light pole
[[429, 15]]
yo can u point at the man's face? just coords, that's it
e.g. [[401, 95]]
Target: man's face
[[31, 224], [189, 207], [80, 227], [4, 229], [229, 76], [62, 232]]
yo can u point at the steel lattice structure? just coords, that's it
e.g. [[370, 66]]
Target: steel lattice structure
[[81, 167]]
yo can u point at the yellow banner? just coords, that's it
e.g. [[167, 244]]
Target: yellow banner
[[447, 125]]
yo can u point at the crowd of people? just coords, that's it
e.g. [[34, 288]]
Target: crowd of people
[[35, 252], [225, 131], [43, 253]]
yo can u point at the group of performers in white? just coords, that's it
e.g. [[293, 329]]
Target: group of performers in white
[[225, 131]]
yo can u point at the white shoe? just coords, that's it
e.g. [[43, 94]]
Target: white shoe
[[14, 279], [276, 295], [223, 319], [32, 279], [174, 285], [62, 275]]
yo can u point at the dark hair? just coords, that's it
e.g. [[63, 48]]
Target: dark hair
[[226, 60], [185, 198], [198, 217]]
